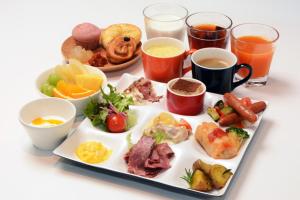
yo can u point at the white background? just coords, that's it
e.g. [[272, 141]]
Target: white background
[[31, 34]]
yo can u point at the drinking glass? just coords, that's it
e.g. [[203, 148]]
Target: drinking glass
[[254, 44], [165, 20], [208, 29]]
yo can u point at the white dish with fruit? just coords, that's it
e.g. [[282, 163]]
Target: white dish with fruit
[[76, 82]]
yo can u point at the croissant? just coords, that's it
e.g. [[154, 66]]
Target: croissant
[[121, 49]]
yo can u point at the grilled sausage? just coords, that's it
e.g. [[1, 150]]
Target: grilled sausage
[[233, 118], [258, 107], [229, 119], [242, 110]]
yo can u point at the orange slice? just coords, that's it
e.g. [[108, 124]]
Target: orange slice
[[82, 94], [89, 81], [68, 88], [59, 94]]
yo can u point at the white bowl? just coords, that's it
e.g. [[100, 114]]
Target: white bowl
[[79, 103], [47, 138]]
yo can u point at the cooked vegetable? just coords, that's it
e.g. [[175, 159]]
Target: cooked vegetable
[[239, 132], [206, 177], [219, 176], [219, 104], [212, 112], [200, 181], [226, 110], [199, 164]]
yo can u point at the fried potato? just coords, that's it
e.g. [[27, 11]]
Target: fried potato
[[200, 182], [219, 175], [200, 165], [115, 30]]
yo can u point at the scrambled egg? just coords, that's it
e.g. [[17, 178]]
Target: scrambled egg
[[93, 152]]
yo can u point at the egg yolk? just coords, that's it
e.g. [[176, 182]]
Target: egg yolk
[[41, 121], [93, 152]]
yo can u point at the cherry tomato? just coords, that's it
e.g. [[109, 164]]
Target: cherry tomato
[[246, 101], [116, 123], [184, 123]]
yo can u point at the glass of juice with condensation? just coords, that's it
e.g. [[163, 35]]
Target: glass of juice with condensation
[[254, 44]]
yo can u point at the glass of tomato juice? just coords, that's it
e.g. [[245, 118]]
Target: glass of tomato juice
[[254, 44]]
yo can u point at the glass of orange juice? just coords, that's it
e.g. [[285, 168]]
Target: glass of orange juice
[[254, 44]]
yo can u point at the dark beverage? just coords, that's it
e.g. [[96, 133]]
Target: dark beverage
[[207, 35]]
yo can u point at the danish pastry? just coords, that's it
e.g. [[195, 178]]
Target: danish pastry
[[125, 30], [121, 49]]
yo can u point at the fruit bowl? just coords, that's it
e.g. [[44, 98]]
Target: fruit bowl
[[79, 103]]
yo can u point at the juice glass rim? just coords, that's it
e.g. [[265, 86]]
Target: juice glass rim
[[260, 24], [221, 14], [165, 3]]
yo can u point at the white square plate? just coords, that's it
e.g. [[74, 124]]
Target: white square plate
[[185, 152]]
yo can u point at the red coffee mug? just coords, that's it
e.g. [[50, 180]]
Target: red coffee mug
[[185, 104], [163, 69]]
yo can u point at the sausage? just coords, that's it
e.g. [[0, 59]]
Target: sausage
[[242, 110], [233, 118], [258, 107], [229, 119]]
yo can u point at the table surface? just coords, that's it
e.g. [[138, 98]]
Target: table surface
[[31, 35]]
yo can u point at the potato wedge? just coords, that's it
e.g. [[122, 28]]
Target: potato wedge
[[199, 164], [219, 176], [200, 182]]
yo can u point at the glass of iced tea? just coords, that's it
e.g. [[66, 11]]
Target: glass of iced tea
[[208, 29], [254, 44]]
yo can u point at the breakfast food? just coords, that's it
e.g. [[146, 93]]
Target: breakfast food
[[235, 112], [81, 54], [142, 91], [86, 35], [93, 152], [111, 113], [121, 49], [185, 96], [165, 127], [245, 112], [117, 44], [163, 50], [218, 143], [206, 177], [98, 59], [117, 30], [71, 81], [146, 158], [47, 121], [186, 87]]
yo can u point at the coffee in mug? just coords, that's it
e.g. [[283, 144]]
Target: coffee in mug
[[216, 68], [213, 63]]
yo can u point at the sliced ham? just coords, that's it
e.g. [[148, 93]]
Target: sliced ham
[[148, 159], [138, 155], [160, 157], [142, 90]]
